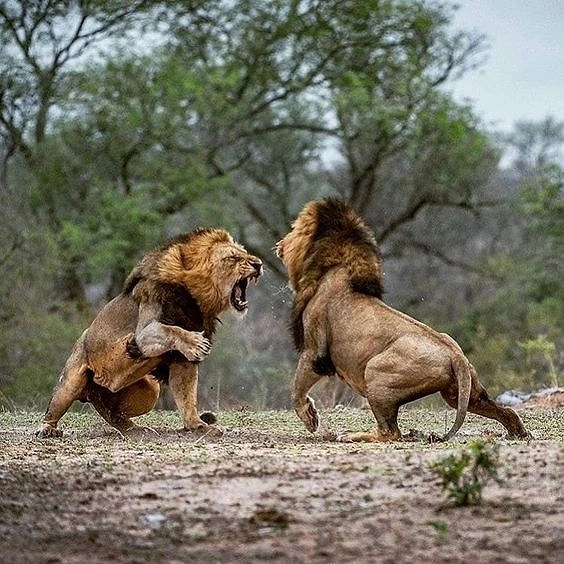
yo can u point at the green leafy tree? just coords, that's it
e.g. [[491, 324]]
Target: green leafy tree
[[517, 327], [39, 43]]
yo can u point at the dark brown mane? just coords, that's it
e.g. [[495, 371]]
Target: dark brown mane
[[340, 239]]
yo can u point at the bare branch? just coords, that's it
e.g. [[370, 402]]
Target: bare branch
[[413, 210], [263, 220], [436, 253]]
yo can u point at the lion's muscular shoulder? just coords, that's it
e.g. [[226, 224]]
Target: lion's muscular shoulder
[[154, 280], [178, 305]]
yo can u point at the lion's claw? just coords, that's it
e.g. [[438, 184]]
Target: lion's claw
[[308, 414], [47, 431], [197, 349]]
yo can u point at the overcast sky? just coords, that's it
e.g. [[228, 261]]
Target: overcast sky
[[523, 75]]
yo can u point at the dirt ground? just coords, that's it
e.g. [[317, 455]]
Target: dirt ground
[[269, 491]]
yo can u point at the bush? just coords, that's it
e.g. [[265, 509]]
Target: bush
[[464, 475]]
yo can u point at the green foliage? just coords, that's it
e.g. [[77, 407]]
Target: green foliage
[[113, 237], [543, 204], [464, 475], [37, 325], [514, 332], [441, 528], [544, 348], [36, 359]]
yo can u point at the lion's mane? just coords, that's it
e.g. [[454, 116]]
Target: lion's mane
[[328, 234], [179, 276]]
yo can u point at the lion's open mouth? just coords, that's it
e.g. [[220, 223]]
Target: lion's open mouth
[[239, 292], [239, 295]]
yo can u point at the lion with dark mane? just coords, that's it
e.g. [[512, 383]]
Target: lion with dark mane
[[342, 327], [157, 330]]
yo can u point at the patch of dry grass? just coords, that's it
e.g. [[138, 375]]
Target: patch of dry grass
[[284, 427]]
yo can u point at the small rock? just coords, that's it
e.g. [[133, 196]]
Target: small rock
[[154, 520]]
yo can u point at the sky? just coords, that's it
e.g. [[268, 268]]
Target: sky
[[522, 77]]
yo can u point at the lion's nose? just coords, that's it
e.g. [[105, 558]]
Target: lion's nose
[[257, 265]]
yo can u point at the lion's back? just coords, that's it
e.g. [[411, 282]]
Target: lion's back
[[363, 326]]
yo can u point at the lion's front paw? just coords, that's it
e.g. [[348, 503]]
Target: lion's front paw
[[196, 349], [308, 414], [48, 431]]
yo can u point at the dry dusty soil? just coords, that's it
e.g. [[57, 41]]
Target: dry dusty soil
[[269, 491]]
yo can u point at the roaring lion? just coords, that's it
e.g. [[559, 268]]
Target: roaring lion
[[157, 330], [342, 327]]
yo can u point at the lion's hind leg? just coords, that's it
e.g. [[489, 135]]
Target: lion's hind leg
[[384, 403], [117, 408], [386, 429], [505, 415], [481, 404], [71, 387]]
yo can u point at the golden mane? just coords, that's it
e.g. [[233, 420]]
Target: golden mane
[[191, 261]]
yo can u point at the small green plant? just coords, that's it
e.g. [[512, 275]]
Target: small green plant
[[441, 528], [465, 474]]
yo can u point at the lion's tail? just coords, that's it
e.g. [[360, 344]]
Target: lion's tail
[[463, 372]]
